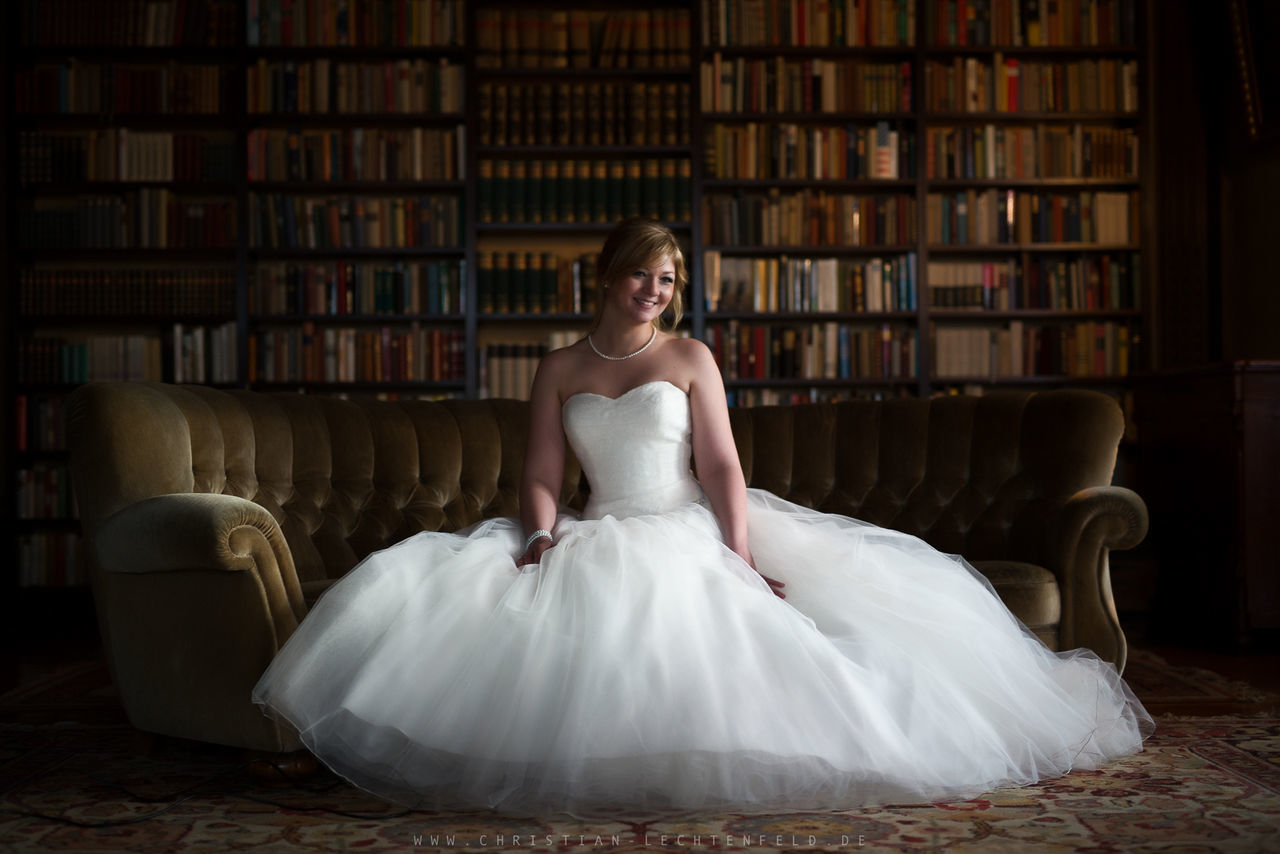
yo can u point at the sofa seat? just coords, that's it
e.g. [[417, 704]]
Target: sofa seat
[[1030, 592], [214, 519]]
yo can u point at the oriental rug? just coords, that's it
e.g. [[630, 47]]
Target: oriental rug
[[75, 777]]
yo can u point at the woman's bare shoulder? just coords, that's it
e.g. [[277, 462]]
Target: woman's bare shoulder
[[560, 364], [692, 354]]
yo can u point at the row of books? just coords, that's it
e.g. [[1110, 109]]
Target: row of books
[[404, 86], [993, 217], [788, 396], [307, 353], [76, 87], [154, 218], [780, 85], [972, 85], [129, 23], [39, 422], [766, 150], [126, 292], [782, 283], [581, 38], [120, 154], [279, 221], [1017, 349], [808, 23], [196, 354], [1031, 23], [828, 350], [632, 113], [807, 218], [1103, 282], [50, 559], [44, 492], [78, 359], [368, 23], [344, 288], [535, 283], [583, 190], [357, 154], [203, 354], [507, 369], [1043, 151]]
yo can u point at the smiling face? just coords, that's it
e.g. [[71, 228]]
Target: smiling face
[[645, 292], [641, 246]]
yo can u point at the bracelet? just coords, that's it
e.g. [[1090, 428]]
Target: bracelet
[[535, 536]]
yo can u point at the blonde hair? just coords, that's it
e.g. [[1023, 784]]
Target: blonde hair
[[635, 243]]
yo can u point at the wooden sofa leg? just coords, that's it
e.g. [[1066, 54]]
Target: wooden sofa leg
[[280, 769]]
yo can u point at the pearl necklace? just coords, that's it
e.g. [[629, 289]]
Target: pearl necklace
[[629, 355]]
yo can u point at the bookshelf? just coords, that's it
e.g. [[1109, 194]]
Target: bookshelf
[[876, 197]]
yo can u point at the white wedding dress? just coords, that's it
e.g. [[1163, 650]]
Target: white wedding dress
[[643, 666]]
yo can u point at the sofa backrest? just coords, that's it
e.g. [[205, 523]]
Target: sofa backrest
[[343, 478], [971, 475]]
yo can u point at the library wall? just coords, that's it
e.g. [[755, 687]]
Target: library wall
[[1250, 204], [889, 198]]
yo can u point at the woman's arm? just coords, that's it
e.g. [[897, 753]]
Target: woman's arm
[[716, 456], [543, 473]]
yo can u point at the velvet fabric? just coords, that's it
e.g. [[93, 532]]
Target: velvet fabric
[[215, 517]]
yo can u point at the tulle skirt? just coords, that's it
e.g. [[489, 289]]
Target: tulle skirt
[[644, 667]]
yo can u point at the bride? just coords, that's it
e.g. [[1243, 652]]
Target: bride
[[686, 643]]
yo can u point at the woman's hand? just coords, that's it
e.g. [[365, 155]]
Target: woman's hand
[[533, 554], [774, 584]]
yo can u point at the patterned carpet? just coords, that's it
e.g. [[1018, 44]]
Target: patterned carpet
[[1202, 784]]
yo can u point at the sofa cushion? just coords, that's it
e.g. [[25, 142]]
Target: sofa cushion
[[311, 590], [1030, 592]]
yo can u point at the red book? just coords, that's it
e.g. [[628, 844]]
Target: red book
[[335, 225], [962, 22], [760, 348], [21, 426], [437, 355], [343, 289], [1012, 87]]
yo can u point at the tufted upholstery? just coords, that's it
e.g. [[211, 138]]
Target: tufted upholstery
[[215, 517]]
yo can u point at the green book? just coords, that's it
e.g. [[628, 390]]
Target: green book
[[484, 190], [485, 282], [501, 283], [650, 191], [582, 192], [631, 189], [667, 189], [550, 191], [614, 193], [684, 191], [550, 283], [599, 183], [519, 283], [566, 190], [533, 210], [502, 191], [518, 189]]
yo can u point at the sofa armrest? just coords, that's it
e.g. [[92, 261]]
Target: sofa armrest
[[206, 531], [1094, 521], [197, 593]]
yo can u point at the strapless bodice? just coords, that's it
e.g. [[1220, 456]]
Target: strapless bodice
[[634, 448]]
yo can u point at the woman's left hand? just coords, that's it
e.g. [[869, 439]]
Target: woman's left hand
[[774, 584]]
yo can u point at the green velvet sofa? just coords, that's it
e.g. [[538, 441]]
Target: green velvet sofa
[[213, 518]]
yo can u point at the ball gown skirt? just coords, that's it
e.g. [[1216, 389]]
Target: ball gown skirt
[[643, 666]]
